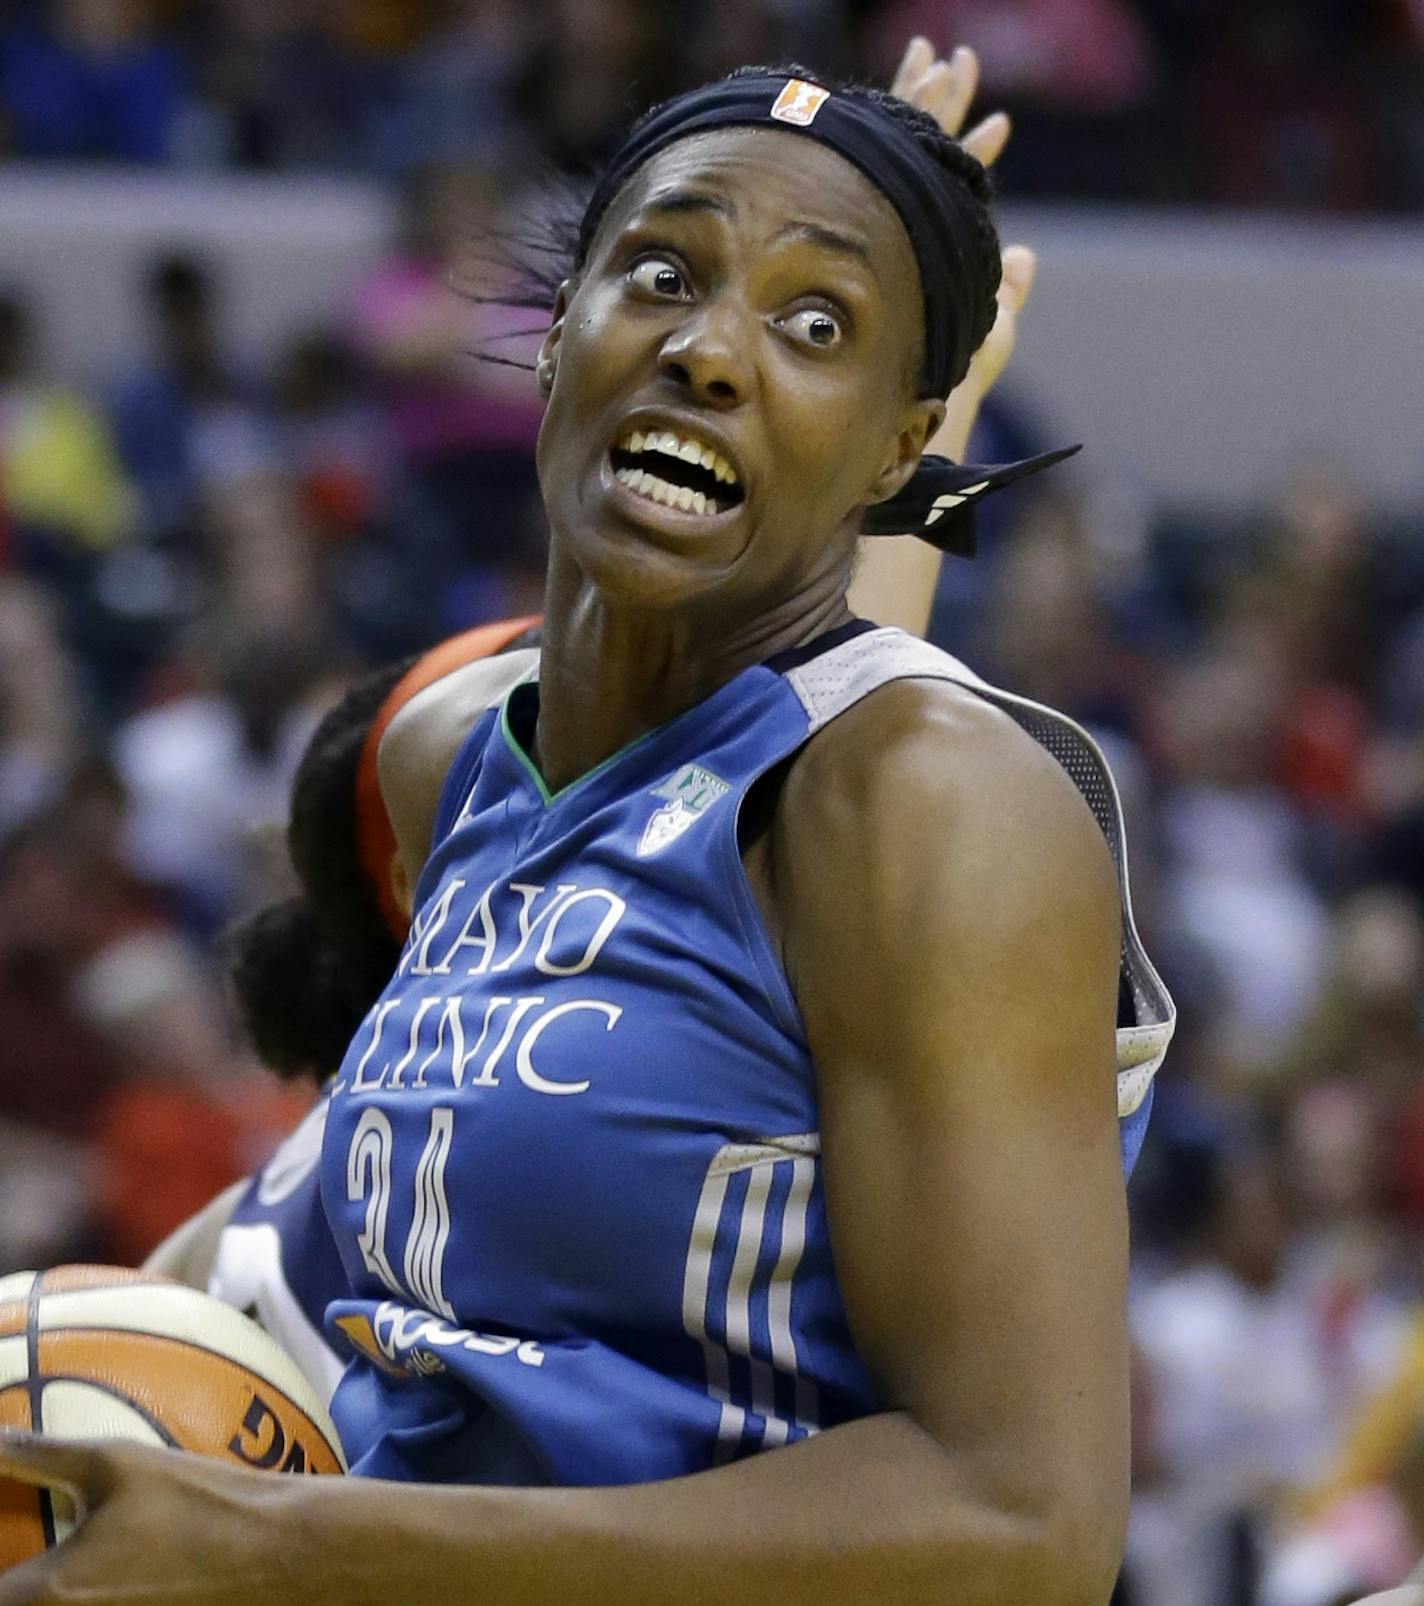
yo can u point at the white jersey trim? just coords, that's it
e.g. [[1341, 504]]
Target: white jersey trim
[[838, 679]]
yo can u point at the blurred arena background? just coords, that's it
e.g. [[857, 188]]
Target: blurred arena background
[[244, 452]]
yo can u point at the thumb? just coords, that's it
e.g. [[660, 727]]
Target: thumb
[[84, 1471]]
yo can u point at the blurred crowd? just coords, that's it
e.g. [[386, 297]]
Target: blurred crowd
[[1239, 101], [197, 556]]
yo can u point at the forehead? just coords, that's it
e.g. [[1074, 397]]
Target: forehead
[[769, 177]]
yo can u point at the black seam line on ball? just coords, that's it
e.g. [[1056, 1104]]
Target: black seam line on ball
[[34, 1387]]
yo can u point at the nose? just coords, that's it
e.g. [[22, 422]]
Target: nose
[[708, 354]]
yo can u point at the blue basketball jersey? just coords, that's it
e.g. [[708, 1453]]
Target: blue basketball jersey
[[571, 1162]]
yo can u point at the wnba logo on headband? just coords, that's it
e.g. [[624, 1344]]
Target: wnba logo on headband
[[799, 102]]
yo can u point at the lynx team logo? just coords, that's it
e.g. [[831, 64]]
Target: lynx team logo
[[689, 793], [799, 102]]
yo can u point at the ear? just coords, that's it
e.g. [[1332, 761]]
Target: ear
[[921, 423], [547, 363]]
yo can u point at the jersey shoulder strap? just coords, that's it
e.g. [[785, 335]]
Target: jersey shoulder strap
[[830, 683]]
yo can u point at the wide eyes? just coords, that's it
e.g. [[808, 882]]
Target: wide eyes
[[659, 277], [815, 326]]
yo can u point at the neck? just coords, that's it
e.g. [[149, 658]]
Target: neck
[[610, 673]]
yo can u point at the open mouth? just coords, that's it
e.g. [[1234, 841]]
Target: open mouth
[[678, 471]]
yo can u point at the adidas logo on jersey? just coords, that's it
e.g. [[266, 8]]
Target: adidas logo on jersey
[[689, 793]]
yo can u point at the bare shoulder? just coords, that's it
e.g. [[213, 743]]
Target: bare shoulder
[[420, 743], [926, 781], [945, 901]]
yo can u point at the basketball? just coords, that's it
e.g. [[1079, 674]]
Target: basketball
[[96, 1352]]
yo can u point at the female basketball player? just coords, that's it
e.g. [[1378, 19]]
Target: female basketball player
[[742, 929]]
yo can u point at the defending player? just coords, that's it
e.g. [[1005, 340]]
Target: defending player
[[742, 924]]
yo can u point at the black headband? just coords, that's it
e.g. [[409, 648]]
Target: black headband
[[938, 502], [940, 225]]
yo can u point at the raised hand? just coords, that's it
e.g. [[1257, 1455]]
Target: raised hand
[[945, 88]]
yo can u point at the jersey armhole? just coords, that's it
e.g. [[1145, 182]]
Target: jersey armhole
[[460, 777]]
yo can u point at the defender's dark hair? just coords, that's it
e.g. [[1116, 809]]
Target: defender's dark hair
[[305, 971]]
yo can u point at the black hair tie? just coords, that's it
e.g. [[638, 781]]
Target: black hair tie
[[938, 501]]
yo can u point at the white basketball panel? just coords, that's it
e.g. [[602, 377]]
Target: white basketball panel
[[185, 1314], [70, 1409], [16, 1286]]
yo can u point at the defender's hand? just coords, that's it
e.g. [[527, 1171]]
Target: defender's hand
[[945, 88]]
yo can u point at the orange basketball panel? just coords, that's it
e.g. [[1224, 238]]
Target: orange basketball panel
[[68, 1279], [198, 1400], [22, 1533]]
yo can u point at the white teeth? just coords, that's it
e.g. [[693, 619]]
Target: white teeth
[[682, 497], [685, 450]]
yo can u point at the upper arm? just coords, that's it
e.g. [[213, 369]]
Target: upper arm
[[951, 923], [419, 745]]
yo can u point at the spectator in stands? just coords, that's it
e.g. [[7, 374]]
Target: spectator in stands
[[90, 82], [1247, 1373], [586, 60], [1236, 889], [207, 769], [40, 710], [60, 479], [456, 104], [181, 416], [464, 430], [284, 85]]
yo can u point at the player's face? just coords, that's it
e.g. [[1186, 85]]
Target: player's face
[[751, 301]]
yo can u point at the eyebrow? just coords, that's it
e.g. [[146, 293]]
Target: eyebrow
[[676, 201], [685, 202], [827, 239]]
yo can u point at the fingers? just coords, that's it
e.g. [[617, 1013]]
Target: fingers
[[946, 88], [1020, 265], [914, 64], [986, 140]]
